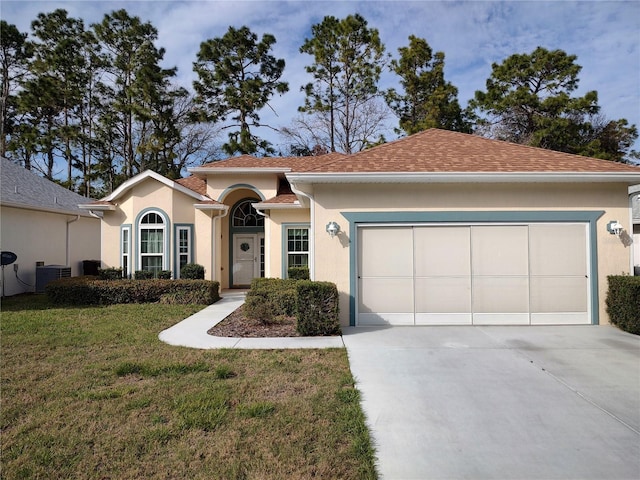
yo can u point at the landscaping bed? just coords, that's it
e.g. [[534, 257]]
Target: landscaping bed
[[238, 325]]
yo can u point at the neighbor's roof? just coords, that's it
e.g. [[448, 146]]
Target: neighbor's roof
[[22, 188], [437, 150]]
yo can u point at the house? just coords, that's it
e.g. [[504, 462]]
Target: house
[[436, 228], [41, 223]]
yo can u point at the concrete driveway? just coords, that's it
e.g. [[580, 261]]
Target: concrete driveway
[[500, 402]]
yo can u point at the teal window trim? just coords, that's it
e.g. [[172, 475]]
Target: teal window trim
[[176, 246], [126, 227], [285, 249], [238, 186], [542, 216], [167, 235]]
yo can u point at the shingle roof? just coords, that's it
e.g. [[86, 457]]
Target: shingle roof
[[294, 164], [22, 188], [284, 199], [194, 183], [437, 150]]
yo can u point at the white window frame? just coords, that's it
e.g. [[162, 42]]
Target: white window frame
[[125, 231], [285, 245], [152, 226], [189, 253]]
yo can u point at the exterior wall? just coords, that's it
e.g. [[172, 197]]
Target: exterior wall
[[36, 236], [332, 255], [220, 185], [178, 208], [274, 244]]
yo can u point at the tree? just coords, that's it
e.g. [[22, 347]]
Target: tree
[[528, 100], [348, 59], [132, 91], [14, 61], [428, 101], [237, 75]]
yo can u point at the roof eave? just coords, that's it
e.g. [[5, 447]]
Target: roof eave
[[276, 206], [210, 206], [465, 177], [130, 183], [98, 207]]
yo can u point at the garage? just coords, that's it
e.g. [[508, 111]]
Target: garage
[[473, 274]]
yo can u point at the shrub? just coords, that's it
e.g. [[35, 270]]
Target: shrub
[[143, 275], [317, 308], [269, 298], [192, 271], [623, 302], [87, 291], [110, 273], [165, 274], [298, 273]]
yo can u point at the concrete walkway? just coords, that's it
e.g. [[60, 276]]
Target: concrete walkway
[[192, 331]]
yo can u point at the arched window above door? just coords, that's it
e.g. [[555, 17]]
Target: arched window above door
[[244, 215]]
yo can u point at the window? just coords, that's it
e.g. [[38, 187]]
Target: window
[[125, 260], [297, 247], [152, 236], [244, 215], [183, 247]]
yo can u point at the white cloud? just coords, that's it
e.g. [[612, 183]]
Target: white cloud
[[473, 35]]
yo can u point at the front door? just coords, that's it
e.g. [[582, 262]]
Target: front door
[[246, 258]]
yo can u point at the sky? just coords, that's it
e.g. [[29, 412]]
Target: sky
[[604, 35]]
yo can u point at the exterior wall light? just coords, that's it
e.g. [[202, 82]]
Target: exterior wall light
[[332, 229], [614, 228]]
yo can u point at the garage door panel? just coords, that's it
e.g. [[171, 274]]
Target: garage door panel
[[386, 252], [442, 251], [500, 295], [559, 294], [500, 250], [386, 295], [443, 295], [558, 249], [501, 318], [559, 318]]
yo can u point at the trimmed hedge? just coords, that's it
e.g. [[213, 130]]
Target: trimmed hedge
[[110, 273], [143, 275], [192, 271], [317, 308], [623, 302], [298, 273], [270, 298], [88, 291]]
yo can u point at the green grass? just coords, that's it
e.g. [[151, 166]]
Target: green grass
[[92, 393]]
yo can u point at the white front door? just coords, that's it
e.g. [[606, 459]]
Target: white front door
[[246, 258]]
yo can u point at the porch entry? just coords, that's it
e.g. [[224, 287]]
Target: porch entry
[[247, 243]]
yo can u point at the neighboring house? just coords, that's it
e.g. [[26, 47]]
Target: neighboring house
[[40, 222], [435, 228]]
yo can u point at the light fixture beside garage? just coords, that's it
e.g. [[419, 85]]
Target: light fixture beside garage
[[332, 229], [614, 228]]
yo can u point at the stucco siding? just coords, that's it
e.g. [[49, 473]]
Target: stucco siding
[[275, 246], [221, 185], [332, 262], [36, 236]]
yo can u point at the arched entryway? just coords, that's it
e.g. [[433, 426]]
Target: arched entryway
[[246, 252]]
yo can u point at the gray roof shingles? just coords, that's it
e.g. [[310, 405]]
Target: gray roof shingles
[[20, 187]]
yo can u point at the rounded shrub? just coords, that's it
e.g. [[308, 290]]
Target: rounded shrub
[[192, 271]]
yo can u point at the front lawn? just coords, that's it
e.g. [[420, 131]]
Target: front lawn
[[92, 393]]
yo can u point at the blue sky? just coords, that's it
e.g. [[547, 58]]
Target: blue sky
[[605, 36]]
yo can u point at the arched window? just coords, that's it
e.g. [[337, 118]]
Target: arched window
[[151, 235], [244, 215]]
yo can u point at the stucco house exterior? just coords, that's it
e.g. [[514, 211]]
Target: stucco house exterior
[[40, 221], [438, 228]]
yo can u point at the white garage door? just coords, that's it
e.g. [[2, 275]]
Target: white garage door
[[480, 274]]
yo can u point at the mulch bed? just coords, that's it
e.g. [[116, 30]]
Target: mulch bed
[[237, 325]]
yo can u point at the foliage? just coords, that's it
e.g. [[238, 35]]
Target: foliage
[[192, 271], [623, 302], [317, 308], [428, 100], [270, 298], [237, 75], [528, 100], [143, 275], [92, 393], [87, 291], [298, 273], [348, 58], [165, 275], [110, 273]]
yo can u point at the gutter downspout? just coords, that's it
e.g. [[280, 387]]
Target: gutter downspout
[[214, 250], [68, 252], [312, 243]]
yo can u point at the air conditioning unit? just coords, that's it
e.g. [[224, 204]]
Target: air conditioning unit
[[49, 273]]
